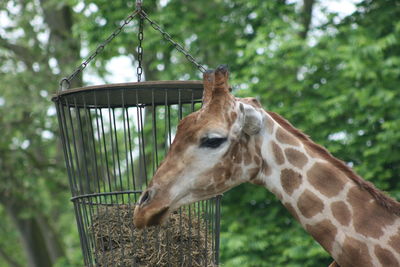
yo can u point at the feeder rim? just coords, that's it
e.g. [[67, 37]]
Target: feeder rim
[[176, 84]]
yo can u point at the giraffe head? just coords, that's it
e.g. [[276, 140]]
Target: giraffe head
[[214, 150]]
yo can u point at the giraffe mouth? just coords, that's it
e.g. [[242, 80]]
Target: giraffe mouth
[[158, 217], [142, 219]]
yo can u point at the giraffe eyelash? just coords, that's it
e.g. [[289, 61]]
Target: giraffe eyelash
[[206, 142]]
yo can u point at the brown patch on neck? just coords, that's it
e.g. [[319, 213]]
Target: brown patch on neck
[[310, 204], [382, 199], [326, 179], [369, 218], [385, 256], [354, 253], [341, 212], [286, 138], [394, 241], [295, 157], [325, 233], [278, 154], [290, 180]]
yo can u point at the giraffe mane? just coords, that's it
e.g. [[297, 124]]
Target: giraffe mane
[[382, 199]]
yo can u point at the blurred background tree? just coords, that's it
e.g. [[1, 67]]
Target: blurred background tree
[[334, 76]]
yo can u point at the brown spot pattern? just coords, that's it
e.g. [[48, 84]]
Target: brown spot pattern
[[253, 173], [394, 241], [265, 168], [324, 232], [292, 211], [341, 212], [290, 180], [354, 253], [247, 157], [286, 138], [385, 256], [369, 218], [278, 154], [309, 204], [296, 157], [326, 179]]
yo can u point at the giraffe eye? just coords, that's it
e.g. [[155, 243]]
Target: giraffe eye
[[212, 142]]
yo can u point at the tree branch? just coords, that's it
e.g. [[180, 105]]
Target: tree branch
[[20, 51]]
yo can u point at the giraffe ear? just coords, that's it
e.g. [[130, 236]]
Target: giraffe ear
[[252, 119]]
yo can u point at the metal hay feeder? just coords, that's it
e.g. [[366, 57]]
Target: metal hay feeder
[[114, 136]]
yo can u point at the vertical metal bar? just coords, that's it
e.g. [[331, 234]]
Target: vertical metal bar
[[86, 221], [154, 131], [94, 151], [212, 205], [70, 169], [82, 234], [105, 153], [130, 154], [169, 125], [65, 143], [75, 148], [179, 105], [104, 170], [192, 101], [143, 143], [95, 176], [142, 163], [142, 157], [114, 176], [117, 150], [97, 247], [165, 123], [181, 233], [217, 227], [125, 144], [82, 148], [206, 214], [189, 248]]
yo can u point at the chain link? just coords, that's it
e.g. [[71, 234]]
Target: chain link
[[177, 46], [65, 83], [139, 69]]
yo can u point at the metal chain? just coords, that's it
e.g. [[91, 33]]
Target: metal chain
[[65, 83], [139, 69], [177, 46]]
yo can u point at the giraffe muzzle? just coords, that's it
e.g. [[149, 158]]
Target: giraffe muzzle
[[150, 210]]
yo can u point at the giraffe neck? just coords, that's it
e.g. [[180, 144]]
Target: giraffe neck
[[345, 218]]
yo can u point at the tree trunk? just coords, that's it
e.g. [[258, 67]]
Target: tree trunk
[[32, 237], [306, 17]]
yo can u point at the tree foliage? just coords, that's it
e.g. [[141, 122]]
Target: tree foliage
[[337, 81]]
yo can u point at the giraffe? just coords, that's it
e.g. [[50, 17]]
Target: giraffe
[[231, 140]]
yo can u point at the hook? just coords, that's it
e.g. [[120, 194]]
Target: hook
[[139, 5], [64, 84]]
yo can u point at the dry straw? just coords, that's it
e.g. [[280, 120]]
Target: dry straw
[[182, 241]]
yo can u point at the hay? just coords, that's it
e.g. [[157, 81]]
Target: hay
[[179, 242]]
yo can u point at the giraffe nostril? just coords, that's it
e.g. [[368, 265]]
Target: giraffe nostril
[[145, 198]]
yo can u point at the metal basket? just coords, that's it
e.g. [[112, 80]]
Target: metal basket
[[114, 137]]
